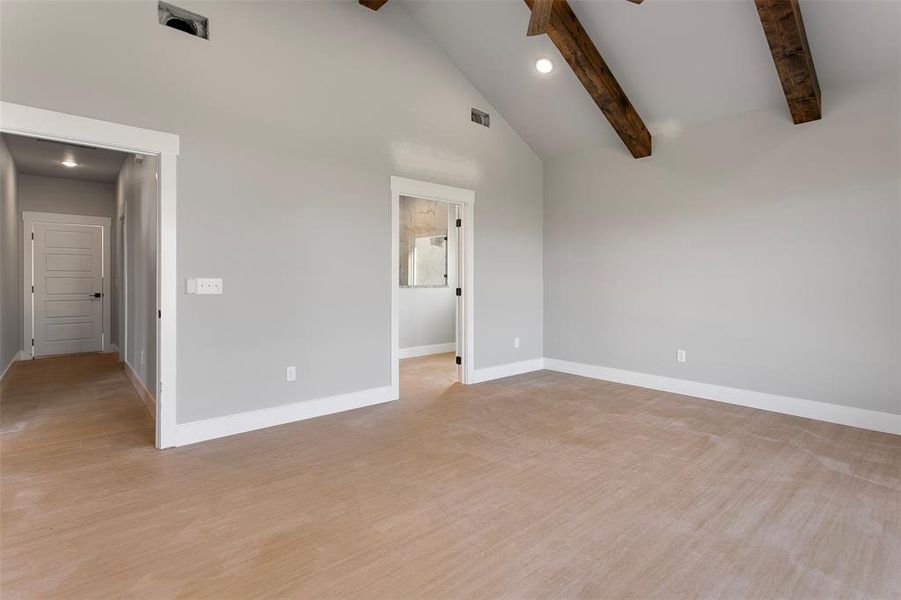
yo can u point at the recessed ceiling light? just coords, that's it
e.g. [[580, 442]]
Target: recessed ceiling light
[[69, 163], [544, 66]]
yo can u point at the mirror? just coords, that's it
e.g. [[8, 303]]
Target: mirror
[[423, 243]]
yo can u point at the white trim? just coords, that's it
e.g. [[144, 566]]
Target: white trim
[[47, 124], [65, 127], [508, 370], [19, 355], [45, 217], [29, 218], [208, 429], [414, 351], [144, 394], [401, 186], [431, 191], [810, 409]]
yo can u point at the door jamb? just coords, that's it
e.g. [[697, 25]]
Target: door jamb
[[402, 186], [29, 218], [48, 124]]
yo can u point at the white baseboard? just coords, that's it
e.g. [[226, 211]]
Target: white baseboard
[[146, 396], [17, 356], [810, 409], [415, 351], [508, 370], [208, 429]]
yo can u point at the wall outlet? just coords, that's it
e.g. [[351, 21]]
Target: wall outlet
[[204, 285], [291, 373], [680, 355], [516, 342]]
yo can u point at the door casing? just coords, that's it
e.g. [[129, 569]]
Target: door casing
[[402, 186]]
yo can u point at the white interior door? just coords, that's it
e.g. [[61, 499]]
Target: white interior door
[[68, 288]]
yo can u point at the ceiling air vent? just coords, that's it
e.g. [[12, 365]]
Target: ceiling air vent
[[183, 20], [482, 118]]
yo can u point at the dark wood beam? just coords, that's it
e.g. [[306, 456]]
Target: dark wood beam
[[784, 29], [583, 57], [373, 4], [541, 16], [636, 1]]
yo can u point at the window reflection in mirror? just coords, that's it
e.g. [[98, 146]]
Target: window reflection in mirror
[[423, 243]]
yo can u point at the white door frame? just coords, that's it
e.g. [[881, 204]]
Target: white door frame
[[36, 122], [29, 218], [401, 186]]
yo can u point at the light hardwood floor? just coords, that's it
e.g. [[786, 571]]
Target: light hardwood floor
[[538, 486]]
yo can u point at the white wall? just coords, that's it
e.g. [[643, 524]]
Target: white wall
[[292, 119], [137, 199], [770, 252], [10, 277], [427, 316]]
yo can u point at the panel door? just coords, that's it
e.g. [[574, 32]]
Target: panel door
[[68, 288]]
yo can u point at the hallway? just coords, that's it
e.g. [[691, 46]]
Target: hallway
[[62, 403]]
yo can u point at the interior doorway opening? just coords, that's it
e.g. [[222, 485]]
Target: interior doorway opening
[[431, 281], [89, 231], [139, 277]]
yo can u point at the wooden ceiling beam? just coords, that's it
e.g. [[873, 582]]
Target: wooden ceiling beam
[[583, 57], [373, 4], [541, 16], [784, 30]]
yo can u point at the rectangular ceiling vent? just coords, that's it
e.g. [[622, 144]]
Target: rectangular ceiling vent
[[183, 20], [482, 118]]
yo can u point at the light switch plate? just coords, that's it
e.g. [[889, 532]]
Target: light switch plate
[[204, 285]]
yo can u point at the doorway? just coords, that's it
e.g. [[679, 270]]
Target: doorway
[[40, 124], [432, 256], [67, 284]]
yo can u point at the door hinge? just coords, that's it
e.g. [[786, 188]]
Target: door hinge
[[32, 234], [32, 342], [159, 314], [32, 289], [459, 222], [459, 360], [459, 291]]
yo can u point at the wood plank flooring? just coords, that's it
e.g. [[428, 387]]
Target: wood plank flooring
[[538, 486]]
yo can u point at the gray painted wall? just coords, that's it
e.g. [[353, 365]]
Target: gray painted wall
[[66, 196], [137, 199], [10, 277], [292, 119], [770, 252]]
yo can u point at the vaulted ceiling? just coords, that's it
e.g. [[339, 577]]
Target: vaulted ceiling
[[680, 62]]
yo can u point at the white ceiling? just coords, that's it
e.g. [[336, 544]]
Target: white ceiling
[[679, 61], [43, 157]]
